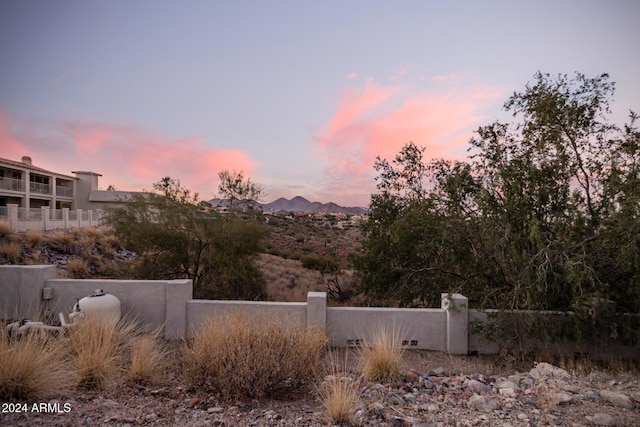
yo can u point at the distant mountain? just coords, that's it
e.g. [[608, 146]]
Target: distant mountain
[[299, 204]]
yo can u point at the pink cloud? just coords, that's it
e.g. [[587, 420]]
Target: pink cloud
[[12, 147], [399, 74], [378, 120], [127, 156], [147, 157]]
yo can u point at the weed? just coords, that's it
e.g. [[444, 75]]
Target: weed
[[148, 358], [381, 354], [6, 230], [62, 241], [338, 393], [34, 238], [98, 348], [237, 356], [11, 251], [78, 268], [32, 367]]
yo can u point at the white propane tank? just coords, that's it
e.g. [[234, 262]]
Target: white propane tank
[[102, 304]]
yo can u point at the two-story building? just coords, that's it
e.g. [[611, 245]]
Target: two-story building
[[31, 188]]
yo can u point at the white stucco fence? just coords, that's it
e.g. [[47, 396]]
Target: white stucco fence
[[168, 305], [43, 219]]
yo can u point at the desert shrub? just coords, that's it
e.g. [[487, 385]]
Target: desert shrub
[[94, 233], [98, 349], [6, 230], [61, 241], [148, 358], [236, 356], [338, 393], [32, 367], [85, 244], [34, 258], [108, 268], [382, 353], [78, 268], [11, 251], [34, 238]]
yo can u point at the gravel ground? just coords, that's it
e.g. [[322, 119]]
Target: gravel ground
[[435, 390]]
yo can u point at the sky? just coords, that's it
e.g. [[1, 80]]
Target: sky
[[299, 95]]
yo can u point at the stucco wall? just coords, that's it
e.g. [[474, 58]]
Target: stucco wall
[[168, 306]]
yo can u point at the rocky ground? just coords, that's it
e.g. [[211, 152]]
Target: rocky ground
[[438, 390]]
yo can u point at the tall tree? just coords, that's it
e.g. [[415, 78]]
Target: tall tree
[[543, 216], [174, 240], [239, 192]]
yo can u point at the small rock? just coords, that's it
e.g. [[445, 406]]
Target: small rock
[[616, 399], [602, 420], [412, 376], [478, 387], [438, 372], [482, 403], [215, 410], [193, 402], [552, 420], [546, 370], [507, 392], [560, 398]]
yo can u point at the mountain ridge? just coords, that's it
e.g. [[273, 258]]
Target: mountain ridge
[[299, 204]]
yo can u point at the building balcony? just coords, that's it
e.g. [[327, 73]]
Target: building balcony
[[64, 191], [40, 188], [11, 184]]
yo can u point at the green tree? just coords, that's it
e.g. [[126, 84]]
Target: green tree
[[174, 240], [543, 216], [240, 193]]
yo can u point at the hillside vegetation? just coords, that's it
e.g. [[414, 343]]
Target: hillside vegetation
[[289, 246]]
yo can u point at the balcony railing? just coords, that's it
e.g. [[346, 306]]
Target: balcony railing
[[64, 191], [11, 184], [38, 187]]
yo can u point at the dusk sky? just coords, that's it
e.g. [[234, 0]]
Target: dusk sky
[[301, 96]]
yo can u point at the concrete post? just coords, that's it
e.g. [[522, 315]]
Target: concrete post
[[457, 308], [65, 217], [45, 217], [317, 310], [78, 218], [177, 293], [12, 211], [27, 191]]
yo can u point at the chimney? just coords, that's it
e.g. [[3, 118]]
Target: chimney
[[26, 160]]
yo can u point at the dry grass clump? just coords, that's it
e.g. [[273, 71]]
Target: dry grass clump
[[239, 356], [6, 231], [381, 355], [98, 349], [32, 367], [94, 233], [338, 393], [148, 358], [11, 251], [34, 238], [62, 241], [78, 268]]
